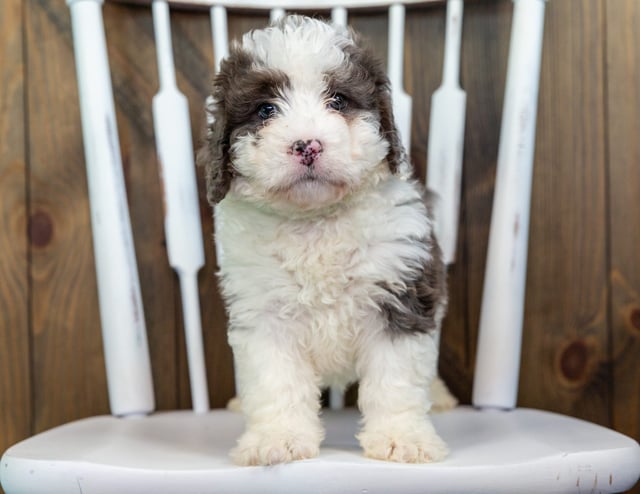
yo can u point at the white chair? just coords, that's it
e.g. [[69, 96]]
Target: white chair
[[495, 447]]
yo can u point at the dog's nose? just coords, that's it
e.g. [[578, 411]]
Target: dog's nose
[[306, 151]]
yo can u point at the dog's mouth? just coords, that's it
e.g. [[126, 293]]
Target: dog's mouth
[[311, 189], [311, 177]]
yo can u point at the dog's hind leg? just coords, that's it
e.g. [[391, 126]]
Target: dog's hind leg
[[441, 396]]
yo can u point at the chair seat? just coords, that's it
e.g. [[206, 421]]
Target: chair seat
[[182, 452]]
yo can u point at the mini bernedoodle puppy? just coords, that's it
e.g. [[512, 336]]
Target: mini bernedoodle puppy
[[330, 272]]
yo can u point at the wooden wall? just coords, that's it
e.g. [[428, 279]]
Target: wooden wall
[[581, 353]]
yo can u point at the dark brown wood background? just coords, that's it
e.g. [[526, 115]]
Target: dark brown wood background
[[581, 353]]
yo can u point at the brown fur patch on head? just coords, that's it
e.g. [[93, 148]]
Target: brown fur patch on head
[[239, 89], [365, 84], [244, 83]]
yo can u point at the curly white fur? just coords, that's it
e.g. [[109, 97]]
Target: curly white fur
[[316, 255]]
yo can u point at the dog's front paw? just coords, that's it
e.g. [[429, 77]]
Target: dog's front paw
[[271, 448], [403, 446]]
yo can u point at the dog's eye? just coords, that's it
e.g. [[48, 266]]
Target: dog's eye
[[267, 110], [338, 102]]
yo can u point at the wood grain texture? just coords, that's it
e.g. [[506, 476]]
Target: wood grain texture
[[565, 344], [425, 30], [623, 120], [485, 47], [68, 367], [135, 82], [192, 39], [485, 42], [582, 342], [15, 379]]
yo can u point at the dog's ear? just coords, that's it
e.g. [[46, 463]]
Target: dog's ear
[[396, 154], [214, 153], [371, 65]]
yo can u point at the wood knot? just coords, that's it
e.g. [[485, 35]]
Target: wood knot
[[634, 318], [574, 361], [40, 229]]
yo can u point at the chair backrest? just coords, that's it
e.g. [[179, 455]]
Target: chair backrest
[[124, 333]]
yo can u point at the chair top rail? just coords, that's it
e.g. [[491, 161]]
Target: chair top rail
[[287, 4]]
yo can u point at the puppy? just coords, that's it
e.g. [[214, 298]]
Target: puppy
[[330, 271]]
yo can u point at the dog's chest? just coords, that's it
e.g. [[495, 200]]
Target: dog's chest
[[330, 268], [321, 280], [324, 259]]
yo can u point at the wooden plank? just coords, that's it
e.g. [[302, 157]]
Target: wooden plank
[[623, 99], [132, 58], [67, 337], [194, 70], [485, 43], [425, 33], [15, 380], [132, 55], [68, 368], [565, 360], [565, 345]]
